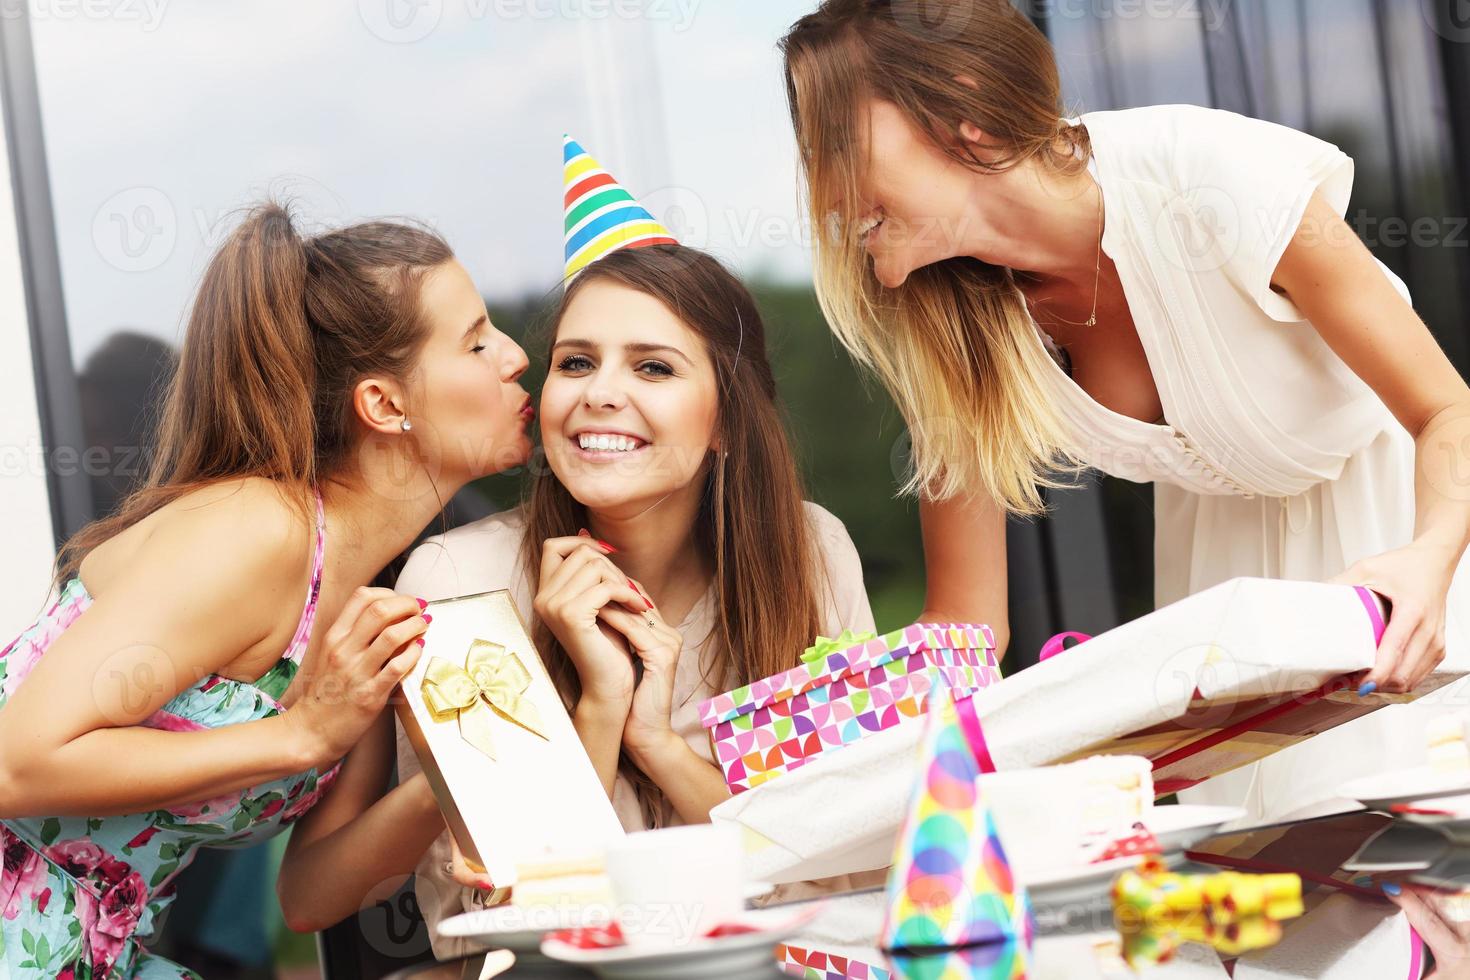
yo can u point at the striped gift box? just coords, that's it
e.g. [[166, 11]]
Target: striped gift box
[[840, 694]]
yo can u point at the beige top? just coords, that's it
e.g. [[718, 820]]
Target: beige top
[[485, 556]]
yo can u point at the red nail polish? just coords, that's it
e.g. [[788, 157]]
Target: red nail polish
[[422, 604], [419, 641], [428, 618], [486, 884], [583, 533], [606, 547], [634, 586]]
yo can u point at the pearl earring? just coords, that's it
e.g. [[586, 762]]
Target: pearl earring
[[406, 425]]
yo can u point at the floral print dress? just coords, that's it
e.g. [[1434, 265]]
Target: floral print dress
[[79, 895]]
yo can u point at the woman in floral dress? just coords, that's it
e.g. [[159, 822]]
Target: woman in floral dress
[[175, 694]]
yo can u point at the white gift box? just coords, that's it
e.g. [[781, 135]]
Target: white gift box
[[538, 796], [1215, 681]]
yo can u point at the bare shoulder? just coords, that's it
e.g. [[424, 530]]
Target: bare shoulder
[[254, 518], [214, 545]]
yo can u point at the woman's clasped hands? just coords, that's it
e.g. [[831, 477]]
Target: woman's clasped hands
[[607, 624]]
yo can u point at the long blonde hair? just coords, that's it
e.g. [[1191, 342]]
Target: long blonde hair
[[954, 345]]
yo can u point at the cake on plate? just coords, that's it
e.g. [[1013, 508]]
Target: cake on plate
[[1053, 818]]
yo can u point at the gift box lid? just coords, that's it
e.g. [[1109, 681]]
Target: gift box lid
[[831, 659]]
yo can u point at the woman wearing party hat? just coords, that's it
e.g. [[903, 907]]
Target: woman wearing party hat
[[664, 553]]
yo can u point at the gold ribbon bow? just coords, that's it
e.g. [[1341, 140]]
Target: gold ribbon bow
[[491, 682], [826, 645]]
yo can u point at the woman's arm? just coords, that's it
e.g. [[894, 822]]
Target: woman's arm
[[577, 581], [1337, 284], [358, 844], [196, 597], [693, 785], [599, 725], [67, 745], [965, 564]]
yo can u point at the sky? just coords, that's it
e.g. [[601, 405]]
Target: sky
[[163, 119]]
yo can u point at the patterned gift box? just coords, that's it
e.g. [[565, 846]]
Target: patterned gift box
[[980, 963], [812, 964], [844, 690]]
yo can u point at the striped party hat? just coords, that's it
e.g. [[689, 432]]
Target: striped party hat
[[602, 216]]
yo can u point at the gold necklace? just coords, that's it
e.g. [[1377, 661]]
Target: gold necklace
[[1096, 272]]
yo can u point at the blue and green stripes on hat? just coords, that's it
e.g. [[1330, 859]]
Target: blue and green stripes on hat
[[601, 216]]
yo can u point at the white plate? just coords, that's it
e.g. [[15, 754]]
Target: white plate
[[1459, 807], [1079, 877], [1176, 828], [520, 929], [1382, 790], [751, 954], [1180, 827]]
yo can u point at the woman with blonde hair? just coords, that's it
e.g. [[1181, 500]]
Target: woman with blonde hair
[[1168, 294]]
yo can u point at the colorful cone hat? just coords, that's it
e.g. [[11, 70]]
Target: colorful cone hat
[[602, 216], [951, 884]]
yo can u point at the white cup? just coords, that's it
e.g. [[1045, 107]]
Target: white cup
[[674, 885]]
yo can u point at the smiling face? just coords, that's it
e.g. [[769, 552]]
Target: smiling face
[[629, 410], [468, 403], [917, 204]]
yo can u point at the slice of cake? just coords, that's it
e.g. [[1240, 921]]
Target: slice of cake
[[568, 882], [1448, 751], [1058, 817]]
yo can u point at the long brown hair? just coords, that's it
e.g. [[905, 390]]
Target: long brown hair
[[281, 330], [954, 345], [752, 524]]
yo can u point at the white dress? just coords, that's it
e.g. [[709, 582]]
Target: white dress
[[1277, 460]]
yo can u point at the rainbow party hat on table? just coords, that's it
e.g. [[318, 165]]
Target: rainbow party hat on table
[[602, 216], [951, 884]]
